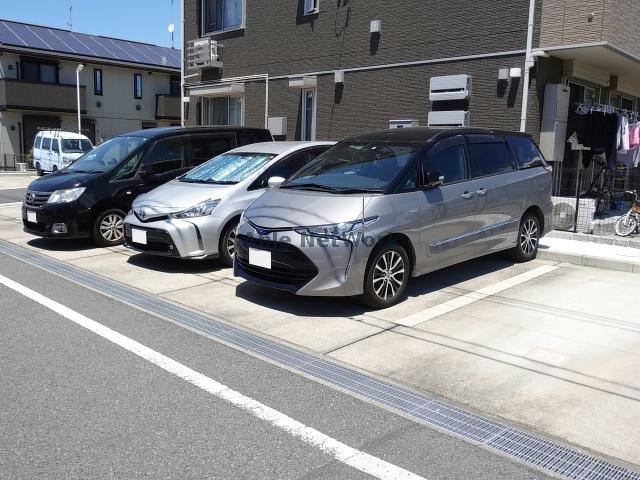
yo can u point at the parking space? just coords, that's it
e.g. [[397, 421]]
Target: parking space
[[561, 343]]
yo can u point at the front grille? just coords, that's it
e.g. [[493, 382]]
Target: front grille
[[158, 241], [289, 266], [36, 199]]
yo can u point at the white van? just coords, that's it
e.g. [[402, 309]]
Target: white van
[[55, 149]]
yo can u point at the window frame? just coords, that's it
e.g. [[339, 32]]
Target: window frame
[[97, 73], [205, 108], [203, 20], [39, 63], [303, 114], [135, 86], [312, 11]]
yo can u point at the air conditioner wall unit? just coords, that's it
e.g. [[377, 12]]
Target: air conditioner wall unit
[[564, 214], [203, 53], [448, 119], [450, 87]]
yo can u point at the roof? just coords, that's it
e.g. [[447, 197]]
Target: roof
[[422, 134], [162, 131], [62, 134], [278, 148], [50, 40]]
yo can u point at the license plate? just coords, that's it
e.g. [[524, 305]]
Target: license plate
[[260, 258], [139, 236], [32, 217]]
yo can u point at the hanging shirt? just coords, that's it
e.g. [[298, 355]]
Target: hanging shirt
[[623, 133], [634, 135]]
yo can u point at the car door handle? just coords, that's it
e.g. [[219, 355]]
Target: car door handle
[[482, 192], [468, 195]]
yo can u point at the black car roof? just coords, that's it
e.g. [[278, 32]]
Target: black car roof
[[168, 131], [423, 134]]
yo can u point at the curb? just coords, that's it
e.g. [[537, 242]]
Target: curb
[[629, 266], [631, 242]]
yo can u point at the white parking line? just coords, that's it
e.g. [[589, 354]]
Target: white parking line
[[10, 204], [471, 297], [343, 453]]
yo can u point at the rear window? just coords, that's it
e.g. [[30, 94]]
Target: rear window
[[253, 136], [489, 159], [526, 152]]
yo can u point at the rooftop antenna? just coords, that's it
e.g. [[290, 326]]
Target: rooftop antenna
[[172, 27], [70, 22]]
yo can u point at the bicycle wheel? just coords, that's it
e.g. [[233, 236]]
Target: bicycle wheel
[[626, 225]]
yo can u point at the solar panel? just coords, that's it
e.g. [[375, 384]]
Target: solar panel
[[55, 40]]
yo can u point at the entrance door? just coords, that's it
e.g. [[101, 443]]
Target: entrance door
[[31, 124]]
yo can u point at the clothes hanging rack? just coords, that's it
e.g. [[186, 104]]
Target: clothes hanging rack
[[586, 108]]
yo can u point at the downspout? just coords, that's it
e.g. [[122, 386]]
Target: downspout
[[182, 23], [528, 65]]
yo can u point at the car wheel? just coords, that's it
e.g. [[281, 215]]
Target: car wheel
[[227, 246], [108, 228], [54, 169], [386, 277], [39, 171], [528, 239]]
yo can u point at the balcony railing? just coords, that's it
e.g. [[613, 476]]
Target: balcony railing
[[167, 107], [48, 97]]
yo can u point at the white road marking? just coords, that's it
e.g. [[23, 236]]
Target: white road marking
[[471, 297], [11, 204], [350, 456], [12, 188]]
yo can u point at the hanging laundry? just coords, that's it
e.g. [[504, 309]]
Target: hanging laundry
[[634, 135], [623, 133]]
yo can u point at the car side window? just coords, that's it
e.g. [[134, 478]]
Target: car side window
[[39, 142], [491, 158], [451, 163], [205, 147], [284, 168], [249, 137], [410, 184], [128, 168], [46, 143], [55, 145], [526, 152], [166, 155]]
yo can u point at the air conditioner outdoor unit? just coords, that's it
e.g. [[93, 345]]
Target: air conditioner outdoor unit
[[564, 214], [448, 119], [450, 87], [203, 53]]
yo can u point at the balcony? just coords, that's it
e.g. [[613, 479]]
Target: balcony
[[45, 97], [167, 107]]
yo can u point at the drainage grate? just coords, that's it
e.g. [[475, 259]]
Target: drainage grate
[[520, 444]]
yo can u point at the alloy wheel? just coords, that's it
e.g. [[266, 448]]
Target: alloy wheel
[[388, 275], [231, 243], [529, 237], [112, 227]]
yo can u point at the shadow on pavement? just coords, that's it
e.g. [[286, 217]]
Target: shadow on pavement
[[174, 265], [349, 306], [62, 245]]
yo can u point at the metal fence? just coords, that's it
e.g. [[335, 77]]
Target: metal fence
[[591, 200], [15, 162]]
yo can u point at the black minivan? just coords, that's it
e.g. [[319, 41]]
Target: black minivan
[[91, 197]]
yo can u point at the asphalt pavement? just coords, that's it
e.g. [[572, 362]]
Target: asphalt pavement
[[76, 403], [12, 195]]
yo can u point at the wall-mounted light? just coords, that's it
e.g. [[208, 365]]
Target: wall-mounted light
[[375, 27], [515, 72], [338, 76]]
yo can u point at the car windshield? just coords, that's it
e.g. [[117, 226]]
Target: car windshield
[[76, 145], [107, 155], [354, 167], [228, 168]]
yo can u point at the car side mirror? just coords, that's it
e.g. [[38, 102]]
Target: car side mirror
[[275, 181], [433, 180]]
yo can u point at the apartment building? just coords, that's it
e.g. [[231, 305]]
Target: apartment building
[[124, 85], [339, 67]]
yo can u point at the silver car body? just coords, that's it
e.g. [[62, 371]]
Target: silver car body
[[440, 227], [199, 237]]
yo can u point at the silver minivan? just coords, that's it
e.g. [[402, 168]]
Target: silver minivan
[[379, 208], [195, 215]]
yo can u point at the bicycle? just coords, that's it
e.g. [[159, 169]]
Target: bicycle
[[628, 224]]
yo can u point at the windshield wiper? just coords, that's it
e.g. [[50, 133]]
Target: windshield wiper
[[312, 186], [209, 182]]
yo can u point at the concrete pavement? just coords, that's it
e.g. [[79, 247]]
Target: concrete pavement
[[76, 405]]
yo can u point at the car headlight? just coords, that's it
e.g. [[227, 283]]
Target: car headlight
[[66, 196], [200, 210], [67, 160], [337, 230]]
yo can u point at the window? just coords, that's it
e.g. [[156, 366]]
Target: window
[[221, 15], [97, 81], [451, 163], [38, 142], [137, 85], [222, 111], [489, 159], [174, 86], [55, 145], [205, 147], [308, 110], [46, 143], [76, 145], [165, 156], [526, 152], [39, 72], [108, 154], [310, 7], [249, 137], [580, 93], [411, 182], [228, 168], [129, 167], [285, 168]]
